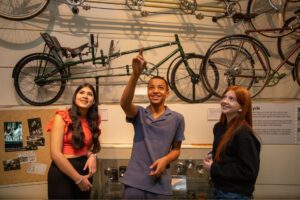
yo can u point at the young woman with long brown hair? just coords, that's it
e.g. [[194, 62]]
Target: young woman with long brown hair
[[235, 156], [74, 142]]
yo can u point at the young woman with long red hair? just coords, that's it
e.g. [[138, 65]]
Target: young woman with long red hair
[[235, 156]]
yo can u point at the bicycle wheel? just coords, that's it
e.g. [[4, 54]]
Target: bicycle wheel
[[288, 42], [186, 87], [269, 14], [38, 80], [297, 69], [240, 60], [21, 9]]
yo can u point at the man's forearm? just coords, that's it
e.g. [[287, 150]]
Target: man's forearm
[[172, 155], [128, 92]]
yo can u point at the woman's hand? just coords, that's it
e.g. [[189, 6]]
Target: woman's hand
[[91, 164], [207, 162], [85, 184]]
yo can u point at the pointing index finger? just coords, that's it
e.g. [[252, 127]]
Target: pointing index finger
[[141, 52]]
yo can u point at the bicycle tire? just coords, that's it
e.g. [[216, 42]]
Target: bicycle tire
[[297, 69], [20, 61], [188, 90], [267, 17], [38, 80], [169, 70], [19, 10], [237, 64], [287, 42]]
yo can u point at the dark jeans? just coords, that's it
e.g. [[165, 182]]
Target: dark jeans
[[218, 194], [61, 186], [134, 193]]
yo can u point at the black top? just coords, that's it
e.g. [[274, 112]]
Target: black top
[[238, 167]]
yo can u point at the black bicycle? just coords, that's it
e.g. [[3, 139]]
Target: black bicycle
[[40, 78]]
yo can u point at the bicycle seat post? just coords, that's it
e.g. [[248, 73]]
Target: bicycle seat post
[[93, 47]]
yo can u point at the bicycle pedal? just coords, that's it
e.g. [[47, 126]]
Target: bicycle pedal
[[282, 75]]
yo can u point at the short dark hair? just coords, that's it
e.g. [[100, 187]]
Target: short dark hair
[[161, 78]]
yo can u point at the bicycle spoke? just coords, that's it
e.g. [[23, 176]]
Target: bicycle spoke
[[21, 9], [239, 62], [34, 81], [272, 14], [287, 43], [187, 83]]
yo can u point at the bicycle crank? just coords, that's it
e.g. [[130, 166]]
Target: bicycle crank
[[275, 78]]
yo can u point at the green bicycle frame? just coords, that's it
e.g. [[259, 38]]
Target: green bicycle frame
[[103, 60]]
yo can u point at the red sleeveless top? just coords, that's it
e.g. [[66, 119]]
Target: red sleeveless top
[[67, 148]]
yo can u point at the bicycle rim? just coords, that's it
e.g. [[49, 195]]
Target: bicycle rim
[[239, 61], [271, 16], [187, 88], [170, 68], [21, 9], [288, 42], [38, 80]]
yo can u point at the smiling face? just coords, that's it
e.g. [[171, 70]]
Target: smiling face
[[158, 91], [85, 98], [229, 105]]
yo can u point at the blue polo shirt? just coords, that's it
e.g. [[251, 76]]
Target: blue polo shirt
[[152, 140]]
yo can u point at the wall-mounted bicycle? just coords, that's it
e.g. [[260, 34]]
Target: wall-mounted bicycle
[[27, 9], [40, 78], [243, 60]]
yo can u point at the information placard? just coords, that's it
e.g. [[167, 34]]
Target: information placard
[[275, 122]]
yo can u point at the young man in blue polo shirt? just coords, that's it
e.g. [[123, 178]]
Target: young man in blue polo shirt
[[158, 133]]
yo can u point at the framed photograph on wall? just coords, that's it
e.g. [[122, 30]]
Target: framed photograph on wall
[[13, 136], [35, 127], [13, 164], [35, 137]]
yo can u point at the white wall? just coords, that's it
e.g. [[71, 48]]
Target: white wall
[[278, 176]]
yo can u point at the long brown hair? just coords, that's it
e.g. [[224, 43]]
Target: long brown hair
[[244, 118], [92, 118]]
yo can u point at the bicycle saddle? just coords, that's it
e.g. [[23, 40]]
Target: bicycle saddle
[[238, 17], [76, 51], [54, 44]]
